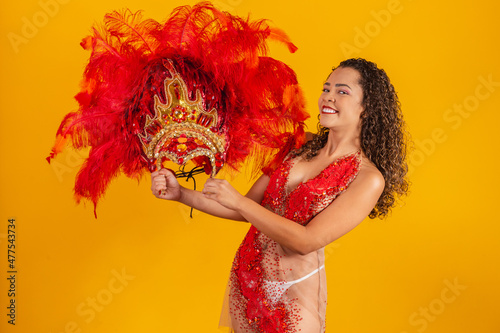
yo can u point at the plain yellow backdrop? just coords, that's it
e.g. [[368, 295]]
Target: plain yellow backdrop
[[145, 266]]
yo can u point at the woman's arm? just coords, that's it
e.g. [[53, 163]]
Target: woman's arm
[[341, 216], [164, 185]]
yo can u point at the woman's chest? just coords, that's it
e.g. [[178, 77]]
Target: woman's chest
[[299, 190]]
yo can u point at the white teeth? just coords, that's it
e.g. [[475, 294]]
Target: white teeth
[[328, 110]]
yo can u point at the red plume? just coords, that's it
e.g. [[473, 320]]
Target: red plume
[[260, 105]]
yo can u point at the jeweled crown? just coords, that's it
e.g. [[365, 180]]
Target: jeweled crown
[[182, 129]]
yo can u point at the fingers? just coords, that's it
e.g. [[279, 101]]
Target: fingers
[[222, 192], [165, 171], [162, 173], [159, 187], [210, 185], [159, 181], [164, 184], [213, 187], [208, 188]]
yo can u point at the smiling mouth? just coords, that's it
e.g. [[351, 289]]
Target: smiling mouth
[[328, 110]]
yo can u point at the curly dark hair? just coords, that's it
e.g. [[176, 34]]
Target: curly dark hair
[[384, 139]]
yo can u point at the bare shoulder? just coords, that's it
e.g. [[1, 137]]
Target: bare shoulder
[[369, 177]]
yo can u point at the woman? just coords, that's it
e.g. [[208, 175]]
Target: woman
[[353, 168]]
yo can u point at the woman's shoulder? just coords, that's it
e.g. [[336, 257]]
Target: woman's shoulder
[[370, 176]]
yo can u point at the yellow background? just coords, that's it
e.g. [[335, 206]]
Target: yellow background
[[431, 267]]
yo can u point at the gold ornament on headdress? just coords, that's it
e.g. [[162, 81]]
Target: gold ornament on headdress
[[181, 128]]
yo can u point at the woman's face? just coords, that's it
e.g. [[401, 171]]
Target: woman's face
[[340, 104]]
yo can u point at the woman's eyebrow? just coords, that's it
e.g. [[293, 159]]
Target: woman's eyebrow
[[342, 85]]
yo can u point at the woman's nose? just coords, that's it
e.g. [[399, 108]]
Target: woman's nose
[[329, 97]]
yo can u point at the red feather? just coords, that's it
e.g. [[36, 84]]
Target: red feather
[[260, 105]]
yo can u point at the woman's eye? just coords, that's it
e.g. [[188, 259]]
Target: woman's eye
[[343, 92], [325, 90]]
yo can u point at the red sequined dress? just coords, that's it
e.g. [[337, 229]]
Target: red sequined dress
[[272, 289]]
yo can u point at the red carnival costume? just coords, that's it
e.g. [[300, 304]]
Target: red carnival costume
[[275, 290]]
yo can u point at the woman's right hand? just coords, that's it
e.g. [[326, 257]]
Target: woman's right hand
[[164, 185]]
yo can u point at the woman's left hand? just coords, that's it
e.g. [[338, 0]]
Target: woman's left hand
[[224, 193]]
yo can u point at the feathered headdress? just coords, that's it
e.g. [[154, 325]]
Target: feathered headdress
[[198, 87]]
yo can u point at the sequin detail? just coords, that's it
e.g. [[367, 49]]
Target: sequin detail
[[253, 307]]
